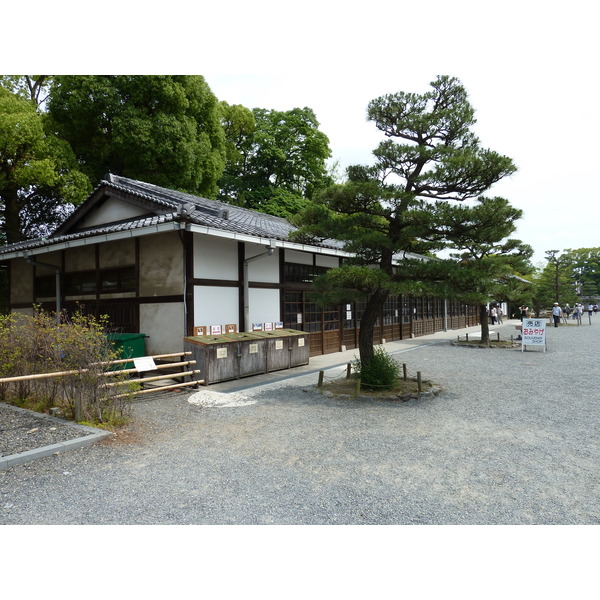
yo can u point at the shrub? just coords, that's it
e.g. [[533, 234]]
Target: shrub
[[36, 344], [381, 372]]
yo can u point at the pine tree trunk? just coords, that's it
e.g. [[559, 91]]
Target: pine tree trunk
[[367, 325], [485, 327]]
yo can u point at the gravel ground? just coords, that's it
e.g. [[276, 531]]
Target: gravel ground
[[24, 430], [512, 439]]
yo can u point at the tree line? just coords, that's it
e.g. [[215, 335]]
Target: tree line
[[60, 135], [426, 191]]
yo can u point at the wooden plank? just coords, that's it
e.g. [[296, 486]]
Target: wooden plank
[[154, 378]]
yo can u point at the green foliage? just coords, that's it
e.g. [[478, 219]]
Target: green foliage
[[38, 173], [398, 207], [36, 344], [276, 160], [381, 372], [164, 130], [555, 282]]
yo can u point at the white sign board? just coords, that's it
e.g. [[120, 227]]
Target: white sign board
[[533, 333], [144, 363]]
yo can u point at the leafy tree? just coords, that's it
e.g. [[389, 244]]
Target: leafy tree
[[585, 268], [276, 160], [164, 130], [485, 263], [239, 125], [387, 210], [555, 283], [39, 179], [31, 87]]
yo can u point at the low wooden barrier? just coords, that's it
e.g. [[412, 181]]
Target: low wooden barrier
[[183, 365]]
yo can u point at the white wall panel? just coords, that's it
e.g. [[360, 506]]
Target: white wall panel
[[264, 305], [301, 258], [164, 323], [216, 305], [327, 261], [215, 258], [265, 268]]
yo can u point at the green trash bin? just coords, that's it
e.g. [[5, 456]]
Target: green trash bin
[[128, 345]]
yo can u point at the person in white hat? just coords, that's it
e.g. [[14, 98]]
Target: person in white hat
[[556, 314]]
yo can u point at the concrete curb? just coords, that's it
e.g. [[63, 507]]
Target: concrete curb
[[93, 435]]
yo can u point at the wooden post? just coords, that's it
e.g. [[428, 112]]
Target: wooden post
[[321, 374], [79, 400], [348, 370], [498, 336], [419, 387], [467, 336], [404, 371], [357, 387]]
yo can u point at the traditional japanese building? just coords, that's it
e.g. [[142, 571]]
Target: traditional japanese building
[[165, 263]]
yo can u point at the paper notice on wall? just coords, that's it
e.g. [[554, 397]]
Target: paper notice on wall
[[222, 352], [300, 342], [144, 363], [253, 348], [278, 344]]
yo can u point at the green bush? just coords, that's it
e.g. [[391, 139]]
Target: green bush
[[382, 372], [35, 344]]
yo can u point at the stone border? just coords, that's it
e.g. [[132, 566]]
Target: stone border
[[92, 436], [429, 393]]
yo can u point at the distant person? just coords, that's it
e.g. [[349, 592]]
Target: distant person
[[523, 310], [556, 314], [500, 313], [577, 313], [590, 311], [493, 315], [567, 310]]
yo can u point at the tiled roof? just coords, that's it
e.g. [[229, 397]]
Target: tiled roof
[[167, 204]]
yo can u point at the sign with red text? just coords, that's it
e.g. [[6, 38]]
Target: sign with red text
[[533, 333]]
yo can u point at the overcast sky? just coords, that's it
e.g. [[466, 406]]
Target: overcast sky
[[530, 69]]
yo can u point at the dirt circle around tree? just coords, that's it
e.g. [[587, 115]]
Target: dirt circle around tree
[[495, 344], [404, 391]]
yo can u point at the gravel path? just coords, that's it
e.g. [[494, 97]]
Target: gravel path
[[513, 439], [25, 430]]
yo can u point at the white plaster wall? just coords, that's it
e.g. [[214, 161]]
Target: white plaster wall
[[265, 268], [264, 305], [327, 261], [111, 211], [164, 323], [301, 258], [215, 305], [215, 258]]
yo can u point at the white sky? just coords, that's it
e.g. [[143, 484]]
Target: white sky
[[529, 67]]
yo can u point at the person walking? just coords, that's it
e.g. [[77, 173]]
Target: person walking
[[556, 314], [578, 313], [493, 314], [567, 311]]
